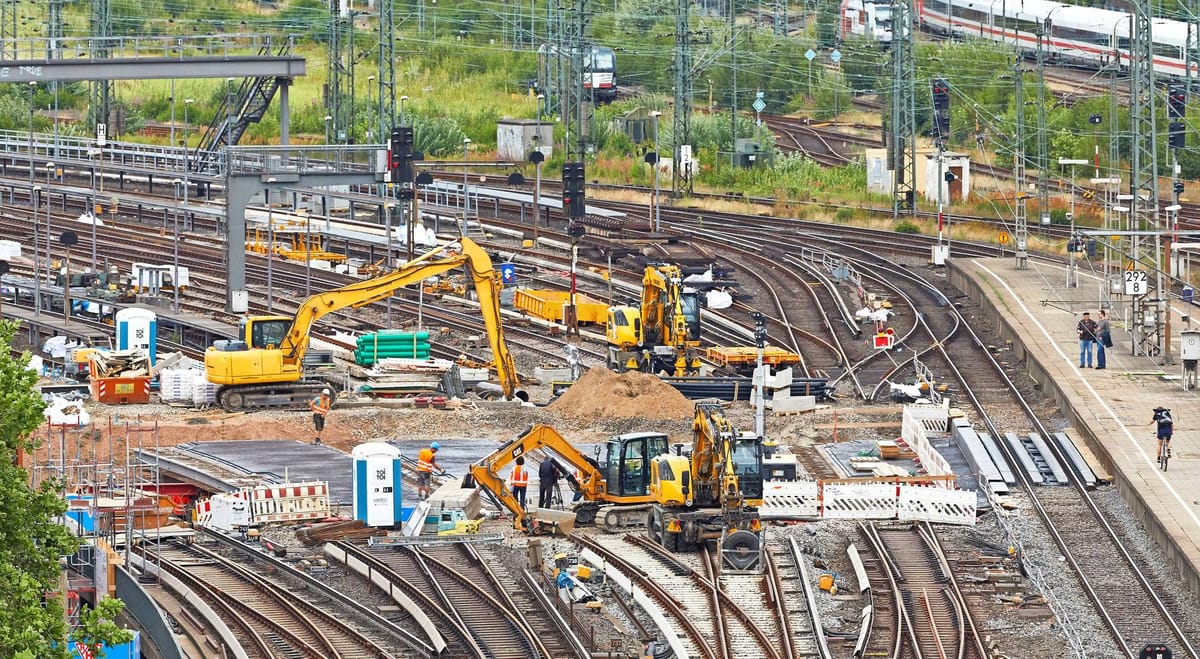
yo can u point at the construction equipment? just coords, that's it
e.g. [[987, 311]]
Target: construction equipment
[[622, 478], [726, 478], [712, 493], [266, 367], [663, 334]]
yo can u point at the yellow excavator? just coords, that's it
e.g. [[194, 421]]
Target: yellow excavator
[[265, 368], [660, 335], [725, 467], [712, 493]]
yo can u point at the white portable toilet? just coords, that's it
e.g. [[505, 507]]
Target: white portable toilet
[[377, 480], [137, 329]]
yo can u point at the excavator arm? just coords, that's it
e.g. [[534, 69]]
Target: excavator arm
[[357, 294], [487, 473]]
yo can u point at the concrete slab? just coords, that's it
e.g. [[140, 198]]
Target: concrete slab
[[1111, 408], [281, 460]]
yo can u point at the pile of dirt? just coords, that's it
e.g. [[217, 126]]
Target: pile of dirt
[[601, 393]]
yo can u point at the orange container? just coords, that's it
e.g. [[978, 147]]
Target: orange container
[[121, 391]]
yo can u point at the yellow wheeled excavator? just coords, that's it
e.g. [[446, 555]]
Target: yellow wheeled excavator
[[682, 500], [265, 368], [660, 335]]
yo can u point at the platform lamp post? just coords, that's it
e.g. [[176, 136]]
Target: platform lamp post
[[49, 174], [1074, 243], [187, 165], [175, 247], [403, 99], [387, 214], [371, 112], [32, 88], [67, 239], [36, 194], [328, 119], [466, 197], [654, 200]]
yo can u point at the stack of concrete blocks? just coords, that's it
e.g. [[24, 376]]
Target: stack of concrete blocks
[[778, 392], [451, 496]]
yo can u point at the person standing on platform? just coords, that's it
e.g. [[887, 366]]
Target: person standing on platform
[[426, 462], [320, 407], [519, 480], [1086, 328], [1103, 338]]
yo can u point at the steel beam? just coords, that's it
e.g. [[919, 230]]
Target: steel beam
[[151, 68]]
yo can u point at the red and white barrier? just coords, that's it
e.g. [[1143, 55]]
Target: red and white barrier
[[264, 504]]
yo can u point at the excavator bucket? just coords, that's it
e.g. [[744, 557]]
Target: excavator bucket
[[553, 521]]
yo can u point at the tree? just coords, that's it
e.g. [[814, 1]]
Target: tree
[[31, 540]]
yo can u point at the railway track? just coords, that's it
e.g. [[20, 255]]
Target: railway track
[[934, 619], [268, 620], [454, 585]]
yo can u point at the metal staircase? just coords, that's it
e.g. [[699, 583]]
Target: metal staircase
[[237, 111]]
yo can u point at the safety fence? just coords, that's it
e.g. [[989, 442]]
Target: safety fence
[[899, 499]]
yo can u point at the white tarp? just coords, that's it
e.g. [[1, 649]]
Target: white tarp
[[63, 412]]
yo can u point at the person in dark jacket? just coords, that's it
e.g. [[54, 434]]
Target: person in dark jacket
[[548, 474], [1103, 338], [1086, 329]]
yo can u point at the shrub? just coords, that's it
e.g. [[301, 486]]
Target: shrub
[[906, 226]]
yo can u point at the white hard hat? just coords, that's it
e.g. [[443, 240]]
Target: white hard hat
[[325, 391]]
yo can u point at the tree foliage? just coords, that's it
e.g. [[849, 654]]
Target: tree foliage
[[31, 540]]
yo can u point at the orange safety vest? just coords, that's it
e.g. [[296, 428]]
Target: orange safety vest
[[520, 477], [320, 405], [425, 460]]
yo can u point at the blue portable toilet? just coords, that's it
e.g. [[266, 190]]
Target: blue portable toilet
[[137, 329], [377, 481]]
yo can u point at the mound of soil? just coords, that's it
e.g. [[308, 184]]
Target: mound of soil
[[602, 393]]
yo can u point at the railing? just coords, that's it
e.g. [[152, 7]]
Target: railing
[[175, 47], [300, 159], [73, 148]]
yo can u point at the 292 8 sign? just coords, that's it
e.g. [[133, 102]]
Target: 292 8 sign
[[1137, 282]]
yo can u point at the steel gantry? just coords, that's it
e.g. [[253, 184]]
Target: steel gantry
[[1148, 309]]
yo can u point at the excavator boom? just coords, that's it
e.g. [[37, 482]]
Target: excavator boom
[[262, 363]]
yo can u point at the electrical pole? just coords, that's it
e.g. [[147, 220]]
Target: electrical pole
[[386, 109], [903, 146], [733, 96], [101, 89], [1148, 309], [681, 175], [8, 29], [1021, 218], [339, 89], [577, 111], [1043, 147]]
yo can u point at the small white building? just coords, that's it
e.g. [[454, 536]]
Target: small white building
[[516, 138], [880, 178]]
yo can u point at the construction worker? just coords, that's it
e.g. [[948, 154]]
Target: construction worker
[[320, 407], [425, 466], [548, 474], [519, 480]]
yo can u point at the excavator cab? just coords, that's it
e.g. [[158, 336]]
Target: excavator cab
[[627, 464], [265, 332], [747, 453], [689, 303]]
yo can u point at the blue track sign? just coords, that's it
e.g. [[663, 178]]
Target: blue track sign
[[836, 56], [1155, 651], [508, 273], [811, 54]]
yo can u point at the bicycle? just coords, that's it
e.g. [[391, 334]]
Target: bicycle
[[1164, 454]]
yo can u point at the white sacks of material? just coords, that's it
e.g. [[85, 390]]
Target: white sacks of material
[[175, 385], [204, 393]]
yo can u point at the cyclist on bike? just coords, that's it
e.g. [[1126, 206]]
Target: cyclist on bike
[[1166, 427]]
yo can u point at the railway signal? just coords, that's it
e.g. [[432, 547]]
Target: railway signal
[[573, 189], [941, 109], [1176, 101], [401, 155], [1176, 135]]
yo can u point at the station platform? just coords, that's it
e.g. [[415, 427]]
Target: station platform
[[1110, 409]]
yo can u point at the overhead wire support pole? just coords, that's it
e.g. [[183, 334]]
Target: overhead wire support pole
[[1020, 216], [1043, 147], [1148, 309], [903, 147], [101, 25], [681, 178], [386, 110]]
